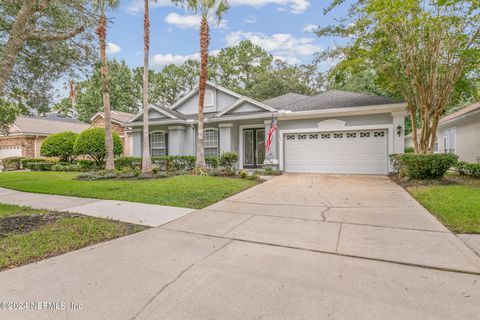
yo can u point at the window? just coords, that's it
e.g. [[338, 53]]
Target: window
[[157, 144], [313, 136], [351, 135], [302, 136], [208, 102], [290, 137], [450, 141], [337, 135], [435, 146], [325, 135], [210, 142]]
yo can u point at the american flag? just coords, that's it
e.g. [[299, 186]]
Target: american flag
[[273, 128]]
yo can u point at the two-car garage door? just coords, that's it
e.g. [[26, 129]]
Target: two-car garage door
[[355, 152]]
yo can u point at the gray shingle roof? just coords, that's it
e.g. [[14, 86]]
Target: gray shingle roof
[[171, 111], [285, 99], [119, 116], [59, 117], [334, 99]]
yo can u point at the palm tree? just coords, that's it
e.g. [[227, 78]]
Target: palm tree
[[206, 8], [102, 6], [146, 159]]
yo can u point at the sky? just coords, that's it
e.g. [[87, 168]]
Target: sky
[[281, 27]]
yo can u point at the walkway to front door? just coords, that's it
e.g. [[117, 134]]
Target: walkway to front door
[[254, 147]]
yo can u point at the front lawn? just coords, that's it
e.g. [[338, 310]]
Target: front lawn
[[28, 235], [457, 206], [180, 191]]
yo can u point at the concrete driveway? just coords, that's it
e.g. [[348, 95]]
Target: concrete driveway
[[295, 247]]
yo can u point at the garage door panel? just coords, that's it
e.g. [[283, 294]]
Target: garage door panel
[[10, 151], [361, 152]]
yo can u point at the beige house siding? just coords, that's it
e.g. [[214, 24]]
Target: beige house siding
[[467, 138]]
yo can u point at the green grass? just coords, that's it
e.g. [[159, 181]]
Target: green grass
[[8, 210], [54, 238], [180, 191], [457, 206]]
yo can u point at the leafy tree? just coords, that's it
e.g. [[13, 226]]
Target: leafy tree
[[39, 42], [422, 49], [91, 142], [122, 88], [283, 78], [8, 113], [206, 9], [173, 81], [59, 145], [238, 67]]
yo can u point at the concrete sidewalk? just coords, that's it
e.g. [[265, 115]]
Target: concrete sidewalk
[[132, 212], [298, 247]]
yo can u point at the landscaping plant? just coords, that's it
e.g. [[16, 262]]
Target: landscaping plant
[[424, 166], [59, 145], [468, 169], [91, 142], [227, 160]]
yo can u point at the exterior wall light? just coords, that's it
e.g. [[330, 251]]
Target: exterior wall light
[[399, 130]]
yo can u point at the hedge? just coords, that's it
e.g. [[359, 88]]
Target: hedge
[[12, 163], [424, 166], [40, 166], [468, 169], [164, 163]]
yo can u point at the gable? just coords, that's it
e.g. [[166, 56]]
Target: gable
[[155, 114], [246, 107], [222, 98]]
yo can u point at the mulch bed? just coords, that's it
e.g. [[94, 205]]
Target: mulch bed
[[27, 223], [452, 179]]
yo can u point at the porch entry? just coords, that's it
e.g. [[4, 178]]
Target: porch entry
[[253, 147]]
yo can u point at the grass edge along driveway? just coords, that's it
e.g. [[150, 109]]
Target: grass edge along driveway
[[29, 235], [186, 191], [456, 206]]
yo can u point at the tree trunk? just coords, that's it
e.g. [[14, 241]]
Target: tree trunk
[[204, 40], [102, 33], [146, 159], [16, 39], [413, 118]]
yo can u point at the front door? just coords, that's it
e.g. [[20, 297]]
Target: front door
[[254, 147]]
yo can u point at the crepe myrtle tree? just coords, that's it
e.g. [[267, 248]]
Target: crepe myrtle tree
[[420, 49], [206, 9]]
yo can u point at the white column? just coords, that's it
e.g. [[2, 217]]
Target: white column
[[398, 140], [225, 132]]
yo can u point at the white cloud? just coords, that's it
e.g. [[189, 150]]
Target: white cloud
[[136, 6], [160, 60], [282, 45], [310, 28], [250, 19], [191, 21], [113, 48], [296, 6], [186, 21]]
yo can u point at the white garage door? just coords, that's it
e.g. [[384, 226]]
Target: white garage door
[[356, 152], [10, 151]]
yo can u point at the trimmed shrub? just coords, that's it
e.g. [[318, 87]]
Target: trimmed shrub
[[243, 174], [128, 163], [212, 162], [227, 160], [67, 167], [91, 142], [424, 166], [59, 145], [12, 163], [86, 165], [409, 150], [40, 166], [174, 163], [26, 161], [468, 169]]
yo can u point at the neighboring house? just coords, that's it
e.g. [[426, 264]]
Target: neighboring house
[[27, 134], [333, 132], [119, 119], [458, 133]]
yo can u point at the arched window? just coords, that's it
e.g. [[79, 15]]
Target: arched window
[[210, 142], [208, 102], [158, 144]]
